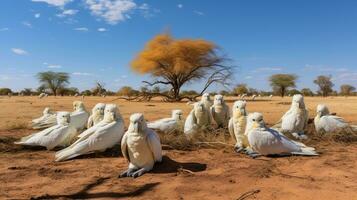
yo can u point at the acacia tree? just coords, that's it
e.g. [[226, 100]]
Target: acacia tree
[[177, 62], [53, 80], [307, 92], [325, 84], [282, 82], [240, 89], [99, 89], [347, 89]]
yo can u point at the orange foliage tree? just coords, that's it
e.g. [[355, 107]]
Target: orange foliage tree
[[176, 62]]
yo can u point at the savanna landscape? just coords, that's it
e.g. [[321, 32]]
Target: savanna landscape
[[212, 171], [206, 100]]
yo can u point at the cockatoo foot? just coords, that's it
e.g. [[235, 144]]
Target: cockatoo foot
[[253, 155], [138, 173], [299, 136], [238, 149], [126, 173]]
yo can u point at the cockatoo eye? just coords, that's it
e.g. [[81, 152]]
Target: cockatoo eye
[[253, 120]]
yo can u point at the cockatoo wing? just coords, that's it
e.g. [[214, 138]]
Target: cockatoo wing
[[90, 122], [124, 147], [160, 124], [154, 143], [103, 138], [49, 139], [190, 123], [231, 129], [79, 119], [331, 123], [44, 122]]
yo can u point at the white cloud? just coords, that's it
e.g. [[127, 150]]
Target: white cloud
[[54, 66], [198, 12], [28, 24], [269, 69], [102, 29], [84, 29], [4, 29], [59, 3], [180, 6], [19, 51], [4, 77], [248, 77], [112, 11], [347, 77], [81, 74], [323, 68], [68, 12], [45, 63], [37, 15]]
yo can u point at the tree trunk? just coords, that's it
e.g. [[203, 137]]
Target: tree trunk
[[282, 92]]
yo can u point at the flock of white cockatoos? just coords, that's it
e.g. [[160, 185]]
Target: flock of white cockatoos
[[80, 133]]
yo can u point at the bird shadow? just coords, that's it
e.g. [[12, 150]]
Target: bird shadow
[[171, 166], [114, 151], [83, 193]]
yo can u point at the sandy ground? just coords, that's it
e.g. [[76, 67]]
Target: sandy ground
[[207, 173]]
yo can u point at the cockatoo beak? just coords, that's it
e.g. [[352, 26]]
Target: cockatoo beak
[[136, 127]]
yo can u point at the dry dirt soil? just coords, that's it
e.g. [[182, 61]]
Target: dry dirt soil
[[205, 173]]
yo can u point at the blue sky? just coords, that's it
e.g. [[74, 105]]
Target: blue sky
[[95, 40]]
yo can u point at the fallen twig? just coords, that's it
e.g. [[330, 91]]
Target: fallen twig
[[214, 143], [248, 194]]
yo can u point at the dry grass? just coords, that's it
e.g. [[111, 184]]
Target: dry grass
[[344, 136], [208, 139], [16, 125]]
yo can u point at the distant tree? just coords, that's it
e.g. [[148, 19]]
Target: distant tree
[[293, 92], [282, 82], [53, 80], [189, 93], [240, 89], [5, 91], [347, 90], [176, 63], [252, 91], [26, 91], [99, 89], [86, 93], [325, 85], [224, 93], [127, 91], [307, 92], [68, 91]]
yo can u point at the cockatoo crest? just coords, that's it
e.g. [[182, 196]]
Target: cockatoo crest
[[63, 118], [218, 99], [322, 110], [298, 101], [177, 114], [137, 123]]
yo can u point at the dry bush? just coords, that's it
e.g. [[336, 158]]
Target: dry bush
[[208, 139], [16, 126], [344, 136]]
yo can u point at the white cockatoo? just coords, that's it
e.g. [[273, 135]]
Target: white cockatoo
[[169, 125], [140, 146], [79, 116], [220, 111], [97, 115], [295, 120], [206, 100], [253, 97], [243, 96], [42, 95], [198, 119], [48, 119], [99, 137], [270, 96], [266, 141], [53, 136], [326, 123], [237, 125]]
